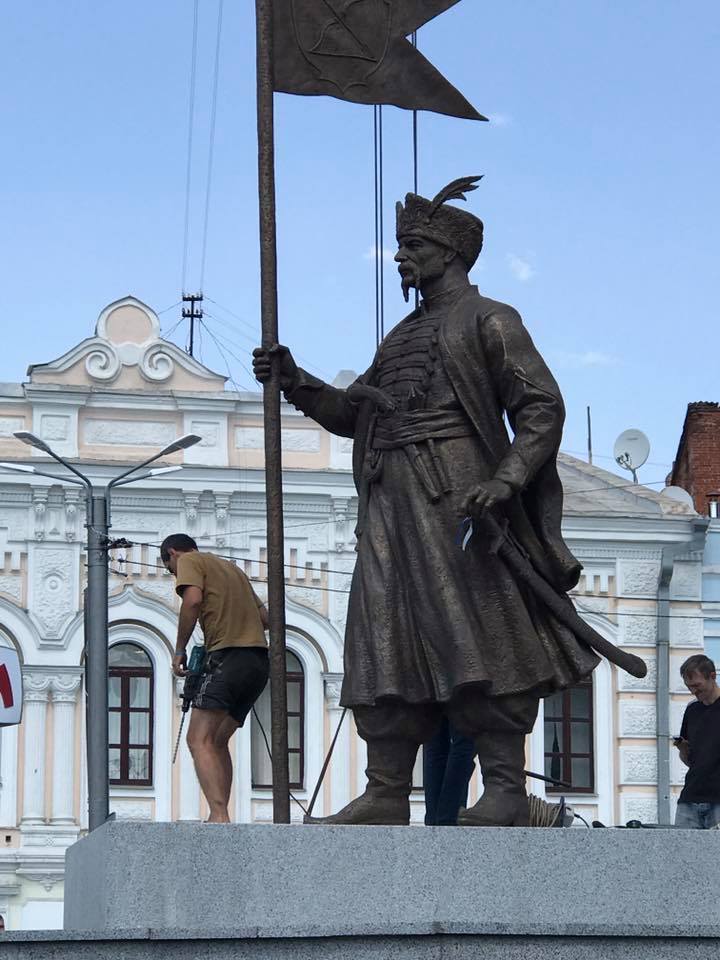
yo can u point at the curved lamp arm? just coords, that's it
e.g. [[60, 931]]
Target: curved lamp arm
[[32, 441], [182, 443], [22, 468]]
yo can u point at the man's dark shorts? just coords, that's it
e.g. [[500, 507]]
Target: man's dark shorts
[[232, 680]]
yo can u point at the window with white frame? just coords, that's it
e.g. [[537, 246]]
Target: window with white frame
[[569, 739], [260, 729], [130, 718]]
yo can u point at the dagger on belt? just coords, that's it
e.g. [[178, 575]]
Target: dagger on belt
[[384, 403]]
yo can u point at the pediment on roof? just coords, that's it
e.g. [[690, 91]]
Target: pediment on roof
[[127, 353], [590, 490]]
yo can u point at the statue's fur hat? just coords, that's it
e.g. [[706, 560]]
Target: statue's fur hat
[[456, 229]]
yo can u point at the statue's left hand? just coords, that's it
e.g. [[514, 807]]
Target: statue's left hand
[[486, 495]]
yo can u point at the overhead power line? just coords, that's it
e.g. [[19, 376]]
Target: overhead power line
[[650, 614], [328, 520], [255, 334], [171, 307], [222, 351], [345, 573], [191, 313]]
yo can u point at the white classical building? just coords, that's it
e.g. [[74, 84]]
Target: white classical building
[[122, 395]]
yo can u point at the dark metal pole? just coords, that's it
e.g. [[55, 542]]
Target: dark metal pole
[[271, 409], [96, 660]]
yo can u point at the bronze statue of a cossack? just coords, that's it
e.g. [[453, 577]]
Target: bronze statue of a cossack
[[438, 621]]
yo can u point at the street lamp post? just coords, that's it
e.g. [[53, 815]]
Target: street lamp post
[[97, 513]]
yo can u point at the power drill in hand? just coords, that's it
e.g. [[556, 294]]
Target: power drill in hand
[[192, 684]]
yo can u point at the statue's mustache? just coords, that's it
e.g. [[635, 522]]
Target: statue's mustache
[[410, 277]]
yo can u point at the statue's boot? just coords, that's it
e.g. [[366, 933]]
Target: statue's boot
[[386, 801], [504, 802]]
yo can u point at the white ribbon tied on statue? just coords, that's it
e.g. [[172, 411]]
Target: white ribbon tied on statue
[[464, 533]]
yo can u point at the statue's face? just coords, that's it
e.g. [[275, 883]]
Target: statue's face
[[420, 260]]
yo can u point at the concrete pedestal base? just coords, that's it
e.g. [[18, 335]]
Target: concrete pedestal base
[[274, 880], [290, 893], [219, 945]]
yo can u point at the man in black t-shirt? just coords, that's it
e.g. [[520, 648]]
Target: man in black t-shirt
[[699, 745]]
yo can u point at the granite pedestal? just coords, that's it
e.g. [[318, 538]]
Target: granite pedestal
[[190, 890]]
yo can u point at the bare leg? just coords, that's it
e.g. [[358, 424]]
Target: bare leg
[[212, 760], [222, 740]]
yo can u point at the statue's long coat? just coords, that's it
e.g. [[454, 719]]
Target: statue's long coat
[[494, 369]]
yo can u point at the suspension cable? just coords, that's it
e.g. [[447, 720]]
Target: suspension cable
[[211, 148], [415, 156], [377, 226], [413, 39], [191, 123], [381, 252]]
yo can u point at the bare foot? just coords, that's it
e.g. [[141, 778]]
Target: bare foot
[[218, 818]]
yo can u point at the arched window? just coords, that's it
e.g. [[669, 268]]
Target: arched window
[[130, 698], [569, 739], [261, 763]]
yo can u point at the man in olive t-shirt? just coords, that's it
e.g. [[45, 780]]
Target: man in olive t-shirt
[[233, 620]]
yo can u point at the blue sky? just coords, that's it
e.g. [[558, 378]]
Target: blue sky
[[600, 196]]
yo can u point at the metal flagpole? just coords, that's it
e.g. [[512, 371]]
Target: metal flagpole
[[271, 409]]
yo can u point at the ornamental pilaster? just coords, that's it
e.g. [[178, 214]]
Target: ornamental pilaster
[[192, 505], [339, 770], [333, 689], [64, 690], [222, 508], [340, 518], [72, 505], [36, 693], [40, 502]]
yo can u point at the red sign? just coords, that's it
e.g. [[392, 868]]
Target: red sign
[[10, 687], [6, 693]]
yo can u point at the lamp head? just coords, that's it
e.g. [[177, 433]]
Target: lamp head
[[159, 471], [19, 467], [32, 441], [182, 443]]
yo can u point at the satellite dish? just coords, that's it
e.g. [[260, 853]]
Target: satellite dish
[[679, 494], [631, 450]]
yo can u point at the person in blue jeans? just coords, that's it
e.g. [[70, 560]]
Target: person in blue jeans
[[448, 764], [699, 745]]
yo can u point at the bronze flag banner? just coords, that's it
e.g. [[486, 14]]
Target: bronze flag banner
[[358, 50]]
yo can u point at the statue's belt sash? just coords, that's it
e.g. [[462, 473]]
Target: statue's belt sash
[[398, 430], [415, 433]]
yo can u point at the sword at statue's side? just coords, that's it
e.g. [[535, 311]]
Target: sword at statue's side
[[559, 605]]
